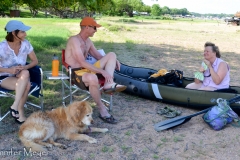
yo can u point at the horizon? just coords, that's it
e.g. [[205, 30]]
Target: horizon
[[201, 7]]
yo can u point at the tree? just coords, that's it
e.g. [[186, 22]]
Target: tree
[[5, 5], [137, 5], [184, 11], [65, 7], [156, 10], [123, 6], [146, 8], [109, 9], [174, 11], [34, 6], [166, 10], [128, 6]]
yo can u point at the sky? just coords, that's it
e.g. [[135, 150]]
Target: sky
[[200, 6]]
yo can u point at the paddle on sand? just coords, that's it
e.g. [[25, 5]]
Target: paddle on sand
[[170, 123]]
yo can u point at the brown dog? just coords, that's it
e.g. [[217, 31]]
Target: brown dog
[[42, 128]]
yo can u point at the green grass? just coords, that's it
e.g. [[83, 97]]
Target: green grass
[[105, 149], [128, 133], [126, 149], [155, 156], [164, 139]]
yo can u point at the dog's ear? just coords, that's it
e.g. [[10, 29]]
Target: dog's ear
[[79, 111]]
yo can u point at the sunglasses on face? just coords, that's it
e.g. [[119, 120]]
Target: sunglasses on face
[[94, 27]]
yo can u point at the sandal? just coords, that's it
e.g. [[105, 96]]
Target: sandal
[[19, 122], [164, 110], [114, 88], [13, 111], [110, 119], [172, 113]]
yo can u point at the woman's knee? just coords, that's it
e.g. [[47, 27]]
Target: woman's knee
[[193, 86], [24, 74]]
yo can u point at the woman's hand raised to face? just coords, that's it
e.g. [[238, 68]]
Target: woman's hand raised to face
[[201, 69], [207, 63]]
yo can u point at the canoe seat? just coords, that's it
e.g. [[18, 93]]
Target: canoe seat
[[227, 90]]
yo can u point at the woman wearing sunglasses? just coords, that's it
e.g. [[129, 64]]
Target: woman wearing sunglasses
[[217, 72]]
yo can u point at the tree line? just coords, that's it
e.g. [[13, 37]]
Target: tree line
[[81, 8]]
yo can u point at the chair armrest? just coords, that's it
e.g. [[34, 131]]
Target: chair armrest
[[36, 78], [66, 65], [35, 74]]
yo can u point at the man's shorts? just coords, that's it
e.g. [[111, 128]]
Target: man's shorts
[[77, 74]]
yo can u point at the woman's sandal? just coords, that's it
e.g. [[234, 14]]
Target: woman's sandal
[[172, 113], [163, 111], [13, 111], [19, 122]]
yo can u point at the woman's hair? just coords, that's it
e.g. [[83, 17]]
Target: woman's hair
[[214, 48], [9, 37]]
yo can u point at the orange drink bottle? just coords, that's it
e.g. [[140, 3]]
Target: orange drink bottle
[[55, 66]]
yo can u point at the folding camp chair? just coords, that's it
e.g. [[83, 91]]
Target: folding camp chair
[[36, 90], [73, 88]]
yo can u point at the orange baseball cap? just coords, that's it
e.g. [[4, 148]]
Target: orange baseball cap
[[89, 21]]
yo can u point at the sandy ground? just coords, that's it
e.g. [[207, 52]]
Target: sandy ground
[[170, 45]]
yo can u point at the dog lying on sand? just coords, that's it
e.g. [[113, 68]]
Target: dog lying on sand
[[41, 129]]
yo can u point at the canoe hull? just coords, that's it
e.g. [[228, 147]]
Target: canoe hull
[[135, 80]]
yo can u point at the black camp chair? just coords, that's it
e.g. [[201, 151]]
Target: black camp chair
[[36, 77]]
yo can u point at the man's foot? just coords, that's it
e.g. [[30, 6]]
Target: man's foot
[[19, 122], [109, 119], [114, 88]]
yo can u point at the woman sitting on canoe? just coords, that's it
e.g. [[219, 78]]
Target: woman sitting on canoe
[[216, 72]]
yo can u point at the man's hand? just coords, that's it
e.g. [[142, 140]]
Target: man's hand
[[107, 76], [118, 65]]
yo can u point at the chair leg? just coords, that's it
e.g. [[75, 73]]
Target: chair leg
[[109, 102], [2, 117], [63, 93], [110, 108]]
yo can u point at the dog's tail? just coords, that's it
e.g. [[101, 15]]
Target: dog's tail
[[31, 145]]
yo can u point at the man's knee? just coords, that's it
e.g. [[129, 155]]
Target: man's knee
[[90, 79], [112, 55]]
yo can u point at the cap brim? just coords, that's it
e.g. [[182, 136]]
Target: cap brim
[[98, 25], [25, 28]]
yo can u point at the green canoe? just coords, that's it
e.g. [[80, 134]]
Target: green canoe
[[135, 80]]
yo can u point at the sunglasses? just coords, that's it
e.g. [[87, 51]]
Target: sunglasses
[[94, 27]]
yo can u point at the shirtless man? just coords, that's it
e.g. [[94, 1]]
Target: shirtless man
[[84, 74]]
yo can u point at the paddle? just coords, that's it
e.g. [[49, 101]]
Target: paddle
[[183, 119]]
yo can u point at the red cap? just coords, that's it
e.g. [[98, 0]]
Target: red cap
[[89, 21]]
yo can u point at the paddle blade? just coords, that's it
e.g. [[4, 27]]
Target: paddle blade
[[171, 123], [183, 119]]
